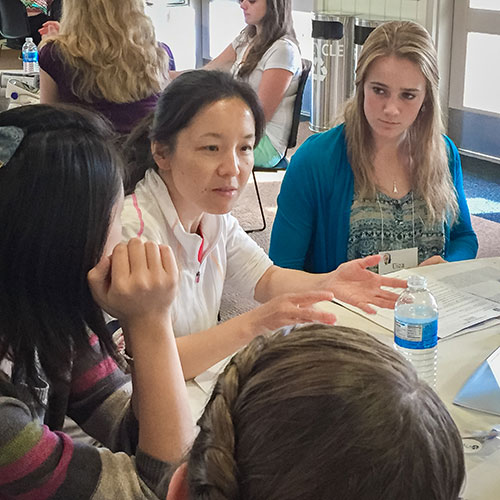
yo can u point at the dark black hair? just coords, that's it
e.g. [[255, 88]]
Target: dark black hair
[[57, 194], [180, 102]]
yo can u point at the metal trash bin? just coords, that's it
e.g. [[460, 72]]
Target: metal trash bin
[[333, 61], [362, 29]]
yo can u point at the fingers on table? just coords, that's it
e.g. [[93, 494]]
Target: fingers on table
[[392, 282], [309, 298], [300, 307]]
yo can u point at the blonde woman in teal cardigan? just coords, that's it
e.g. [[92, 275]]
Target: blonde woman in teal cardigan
[[384, 180]]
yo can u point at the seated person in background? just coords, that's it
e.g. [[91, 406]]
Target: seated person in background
[[60, 202], [105, 57], [267, 56], [386, 179], [322, 413], [188, 166]]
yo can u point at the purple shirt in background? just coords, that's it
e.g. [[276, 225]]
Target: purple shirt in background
[[123, 116]]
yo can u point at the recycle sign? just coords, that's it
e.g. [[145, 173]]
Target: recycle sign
[[321, 51]]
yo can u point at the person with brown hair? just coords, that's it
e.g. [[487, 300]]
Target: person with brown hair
[[266, 55], [322, 413], [386, 179]]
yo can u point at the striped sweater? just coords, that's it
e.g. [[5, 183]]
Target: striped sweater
[[38, 461]]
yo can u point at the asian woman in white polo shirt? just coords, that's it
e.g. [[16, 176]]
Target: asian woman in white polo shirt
[[187, 167]]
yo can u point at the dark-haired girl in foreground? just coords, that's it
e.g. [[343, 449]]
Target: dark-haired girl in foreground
[[60, 202], [202, 137]]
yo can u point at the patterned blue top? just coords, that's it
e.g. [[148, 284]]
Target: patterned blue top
[[390, 224]]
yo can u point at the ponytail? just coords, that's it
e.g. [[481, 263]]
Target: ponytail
[[212, 470], [136, 152]]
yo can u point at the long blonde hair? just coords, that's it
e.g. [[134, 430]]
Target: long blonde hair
[[112, 48], [424, 143]]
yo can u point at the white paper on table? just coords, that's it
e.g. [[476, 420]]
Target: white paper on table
[[479, 277], [489, 323], [457, 309], [206, 380]]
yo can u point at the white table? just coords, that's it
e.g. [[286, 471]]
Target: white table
[[458, 358]]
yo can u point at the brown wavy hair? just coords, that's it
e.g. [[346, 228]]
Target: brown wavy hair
[[424, 143], [112, 49], [324, 413], [276, 23]]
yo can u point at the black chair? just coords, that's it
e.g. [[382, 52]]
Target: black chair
[[292, 140], [13, 19]]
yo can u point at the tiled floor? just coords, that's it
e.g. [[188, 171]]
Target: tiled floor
[[482, 187]]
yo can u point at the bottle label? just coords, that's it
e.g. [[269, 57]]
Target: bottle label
[[30, 57], [410, 334]]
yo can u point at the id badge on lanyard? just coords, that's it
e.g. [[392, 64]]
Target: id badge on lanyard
[[394, 260]]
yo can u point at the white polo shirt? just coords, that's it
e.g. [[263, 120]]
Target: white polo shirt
[[228, 253]]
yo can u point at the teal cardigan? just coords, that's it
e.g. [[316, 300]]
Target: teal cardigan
[[311, 227]]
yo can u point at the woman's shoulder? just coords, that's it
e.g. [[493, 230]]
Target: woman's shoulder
[[282, 54], [454, 162], [450, 145], [284, 45], [148, 212], [49, 49], [171, 59], [51, 60], [322, 156], [240, 39], [287, 41], [324, 144]]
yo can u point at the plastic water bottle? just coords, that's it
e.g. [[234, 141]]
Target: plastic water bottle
[[30, 56], [415, 328]]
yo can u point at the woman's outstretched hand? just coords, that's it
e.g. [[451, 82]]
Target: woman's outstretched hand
[[351, 282], [139, 280], [288, 309]]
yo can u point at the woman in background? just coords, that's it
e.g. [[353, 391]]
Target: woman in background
[[60, 202], [267, 56], [322, 413], [105, 56], [386, 179]]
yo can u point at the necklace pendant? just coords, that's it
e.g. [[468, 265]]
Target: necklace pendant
[[394, 187]]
